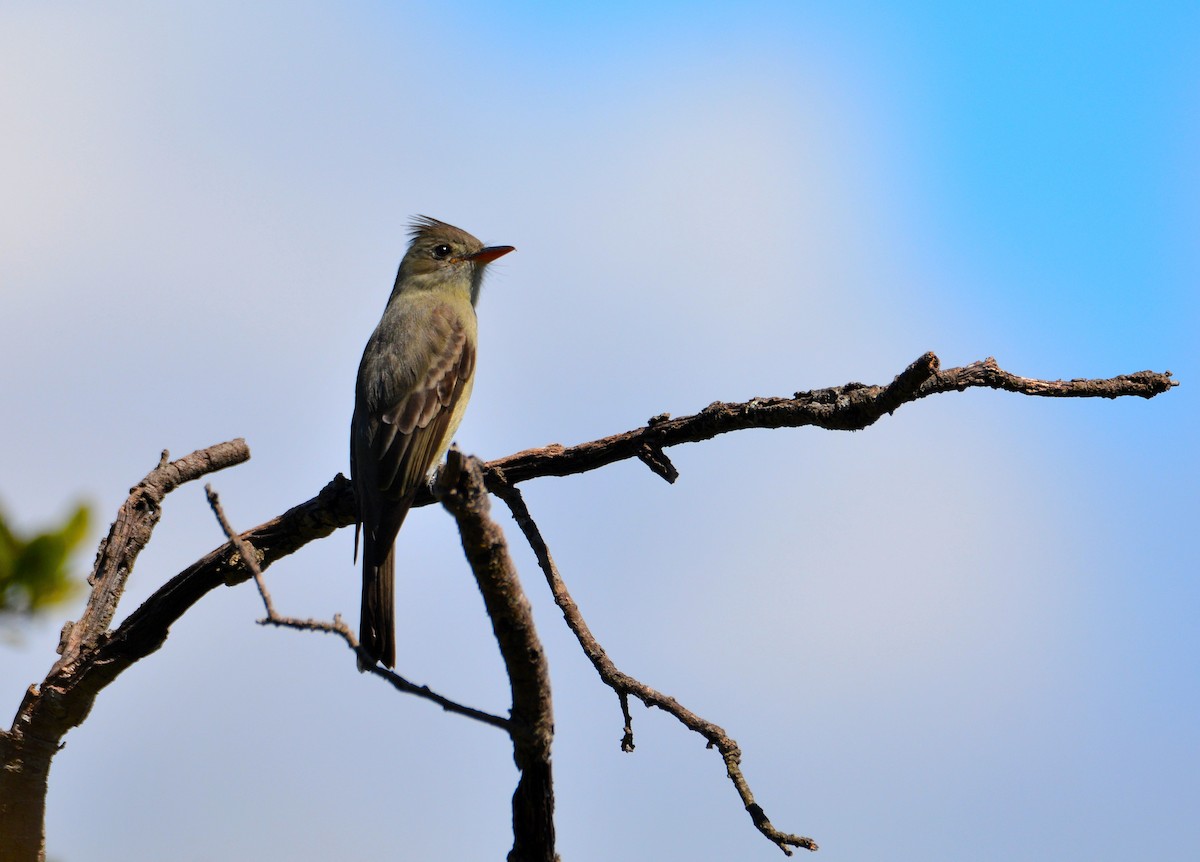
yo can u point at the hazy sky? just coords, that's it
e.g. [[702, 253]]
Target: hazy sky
[[968, 632]]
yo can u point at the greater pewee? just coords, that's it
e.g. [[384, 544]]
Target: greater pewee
[[413, 384]]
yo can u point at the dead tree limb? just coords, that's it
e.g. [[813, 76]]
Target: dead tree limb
[[130, 533], [92, 655], [66, 696], [625, 685], [461, 490], [249, 557], [851, 407]]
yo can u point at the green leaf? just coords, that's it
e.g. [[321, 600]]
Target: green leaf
[[35, 570]]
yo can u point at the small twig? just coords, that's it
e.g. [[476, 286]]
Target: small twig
[[248, 555], [249, 558], [627, 731], [423, 691], [625, 685], [660, 465]]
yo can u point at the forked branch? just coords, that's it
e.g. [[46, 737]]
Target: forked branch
[[93, 655], [249, 558], [624, 685], [851, 407], [461, 490]]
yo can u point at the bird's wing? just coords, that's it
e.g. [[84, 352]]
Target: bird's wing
[[413, 431], [399, 441]]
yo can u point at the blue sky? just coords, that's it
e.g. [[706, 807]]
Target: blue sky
[[967, 632]]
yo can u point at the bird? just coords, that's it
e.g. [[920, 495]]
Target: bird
[[413, 384]]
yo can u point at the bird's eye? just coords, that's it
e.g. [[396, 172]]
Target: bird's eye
[[441, 251]]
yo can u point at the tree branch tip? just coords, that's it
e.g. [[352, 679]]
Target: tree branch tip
[[658, 462], [447, 478], [929, 359], [497, 481], [910, 379]]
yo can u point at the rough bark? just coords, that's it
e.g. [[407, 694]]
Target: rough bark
[[462, 491], [93, 656]]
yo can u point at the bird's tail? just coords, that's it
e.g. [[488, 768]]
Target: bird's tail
[[377, 623]]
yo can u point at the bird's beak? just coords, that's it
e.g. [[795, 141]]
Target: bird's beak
[[487, 255]]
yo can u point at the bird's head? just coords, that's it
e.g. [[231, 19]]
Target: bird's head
[[441, 255]]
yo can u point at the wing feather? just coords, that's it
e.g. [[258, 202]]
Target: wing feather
[[405, 438], [394, 445]]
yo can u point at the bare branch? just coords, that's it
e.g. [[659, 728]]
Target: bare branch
[[851, 407], [47, 712], [658, 462], [461, 490], [846, 407], [246, 553], [625, 685], [249, 558], [93, 656], [66, 695], [131, 531]]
